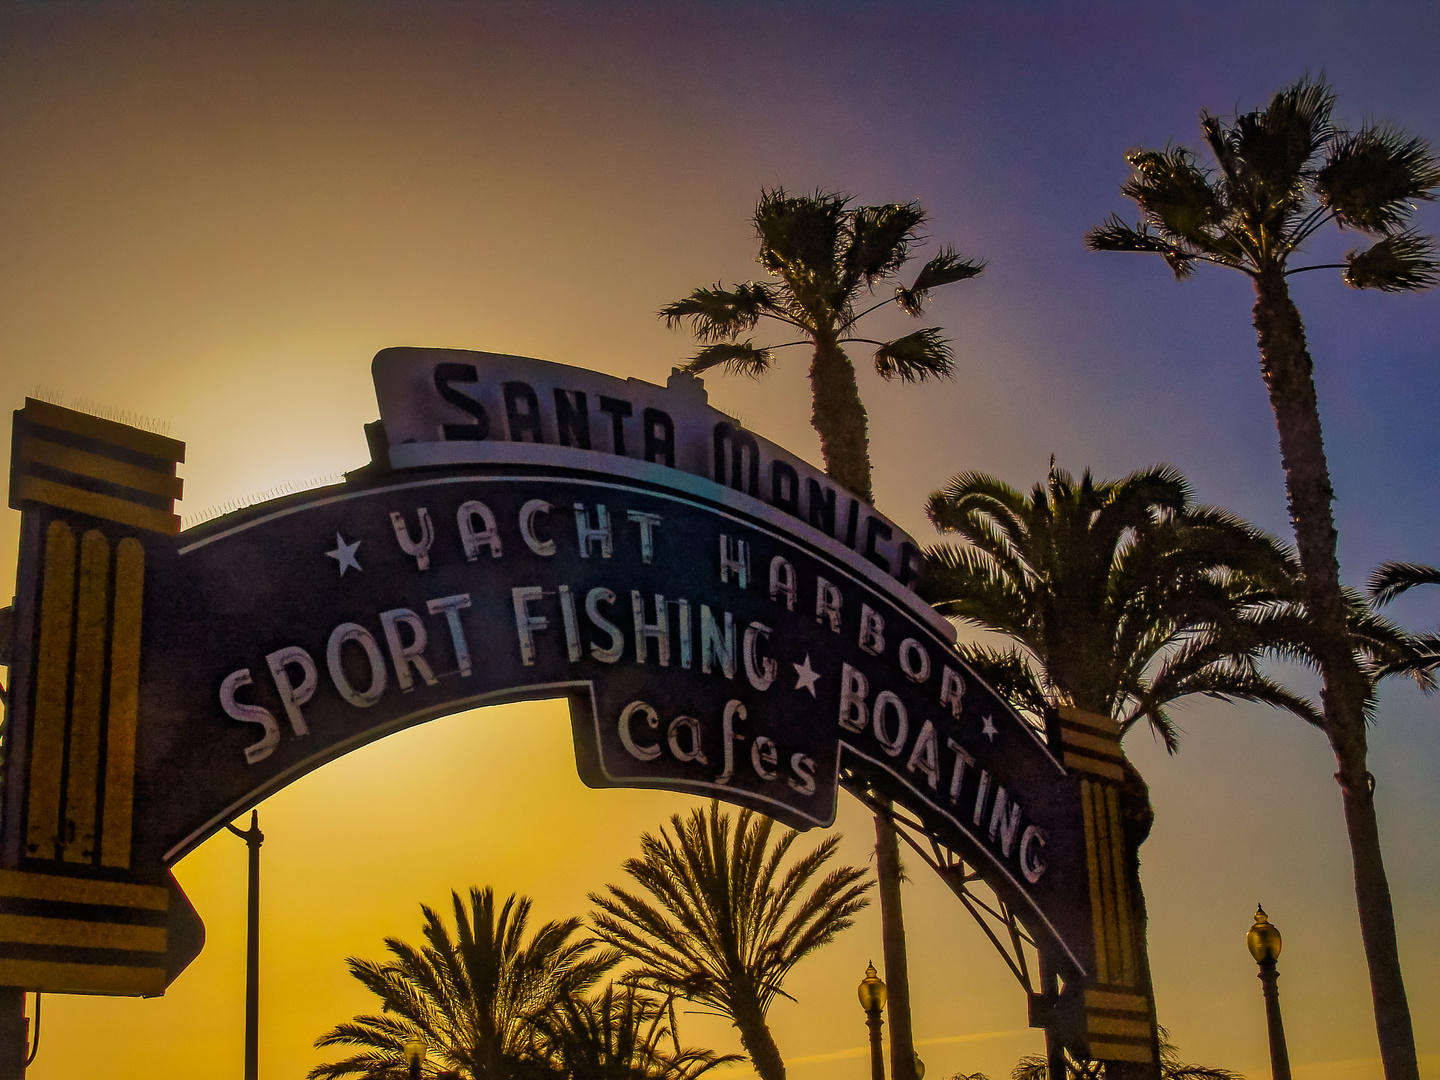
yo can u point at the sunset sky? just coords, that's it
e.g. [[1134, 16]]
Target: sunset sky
[[214, 214]]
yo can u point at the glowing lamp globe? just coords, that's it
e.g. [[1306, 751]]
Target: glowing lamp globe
[[1263, 939], [872, 991]]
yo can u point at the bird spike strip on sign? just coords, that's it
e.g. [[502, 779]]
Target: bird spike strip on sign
[[722, 619]]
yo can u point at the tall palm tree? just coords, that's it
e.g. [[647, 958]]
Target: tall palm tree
[[474, 998], [1120, 597], [1285, 172], [719, 918], [619, 1035], [826, 257]]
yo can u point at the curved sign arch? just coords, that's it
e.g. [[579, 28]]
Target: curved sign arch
[[721, 620]]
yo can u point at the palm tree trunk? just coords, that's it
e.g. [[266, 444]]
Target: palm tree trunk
[[1289, 376], [838, 416], [758, 1042], [892, 937]]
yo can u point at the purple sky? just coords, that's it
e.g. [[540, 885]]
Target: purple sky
[[217, 213]]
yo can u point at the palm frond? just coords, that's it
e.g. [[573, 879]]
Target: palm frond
[[946, 267], [968, 493], [1278, 142], [1403, 262], [915, 357], [1372, 178], [1012, 674], [738, 358], [720, 314], [1390, 579], [879, 241], [1175, 195], [1115, 235], [961, 582], [800, 235]]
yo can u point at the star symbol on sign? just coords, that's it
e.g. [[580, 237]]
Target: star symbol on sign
[[344, 554], [805, 675], [989, 730]]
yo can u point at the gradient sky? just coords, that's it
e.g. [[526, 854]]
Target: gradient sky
[[214, 214]]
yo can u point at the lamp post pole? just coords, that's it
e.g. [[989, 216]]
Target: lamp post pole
[[872, 1000], [253, 838], [1263, 941]]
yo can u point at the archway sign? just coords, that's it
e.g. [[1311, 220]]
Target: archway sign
[[722, 619]]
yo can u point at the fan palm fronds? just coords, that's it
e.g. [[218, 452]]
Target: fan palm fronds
[[722, 914], [827, 256]]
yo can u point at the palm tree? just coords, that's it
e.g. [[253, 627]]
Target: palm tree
[[1035, 1067], [1284, 172], [719, 918], [827, 257], [619, 1036], [1119, 598], [474, 998]]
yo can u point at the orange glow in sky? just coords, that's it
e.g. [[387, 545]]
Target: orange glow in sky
[[216, 214]]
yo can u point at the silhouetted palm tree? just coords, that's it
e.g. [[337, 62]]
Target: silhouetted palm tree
[[474, 999], [826, 257], [619, 1035], [1285, 172], [721, 919], [1122, 596]]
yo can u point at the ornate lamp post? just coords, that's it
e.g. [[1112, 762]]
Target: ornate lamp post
[[872, 1000], [414, 1055], [1264, 943]]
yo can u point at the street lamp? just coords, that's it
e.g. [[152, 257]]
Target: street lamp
[[414, 1055], [253, 838], [872, 1000], [1263, 941]]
